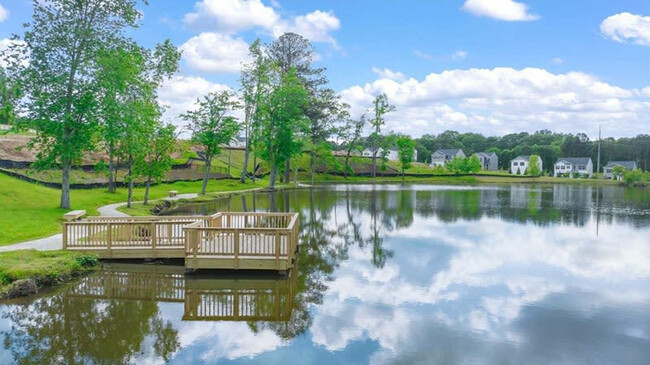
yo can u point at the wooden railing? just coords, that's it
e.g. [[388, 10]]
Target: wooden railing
[[129, 232], [245, 236], [227, 240]]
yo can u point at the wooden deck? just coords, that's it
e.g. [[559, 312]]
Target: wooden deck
[[238, 241], [260, 298]]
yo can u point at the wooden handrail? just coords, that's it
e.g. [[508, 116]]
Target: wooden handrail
[[239, 237]]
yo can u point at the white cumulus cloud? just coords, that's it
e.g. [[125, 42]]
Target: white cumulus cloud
[[215, 53], [231, 16], [179, 95], [388, 74], [508, 10], [503, 100], [4, 13], [626, 27], [315, 26]]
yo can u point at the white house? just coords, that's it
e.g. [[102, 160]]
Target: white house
[[441, 157], [391, 154], [489, 160], [519, 165], [608, 170], [573, 165]]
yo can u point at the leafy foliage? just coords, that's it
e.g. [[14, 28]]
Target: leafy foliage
[[406, 151], [282, 117], [533, 166], [212, 125]]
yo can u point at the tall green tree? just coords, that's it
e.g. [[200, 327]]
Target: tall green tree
[[128, 72], [406, 151], [60, 79], [255, 83], [157, 160], [10, 93], [350, 135], [380, 107], [323, 111], [473, 164], [119, 70], [293, 52], [533, 166], [282, 117], [212, 126]]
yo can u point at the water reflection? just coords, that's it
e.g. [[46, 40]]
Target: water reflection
[[386, 274]]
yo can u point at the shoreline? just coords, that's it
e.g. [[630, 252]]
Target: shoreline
[[25, 273]]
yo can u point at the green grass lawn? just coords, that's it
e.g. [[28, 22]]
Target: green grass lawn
[[45, 267], [29, 211]]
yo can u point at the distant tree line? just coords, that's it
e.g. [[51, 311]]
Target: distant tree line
[[549, 146]]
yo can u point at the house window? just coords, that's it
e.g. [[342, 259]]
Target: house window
[[515, 164]]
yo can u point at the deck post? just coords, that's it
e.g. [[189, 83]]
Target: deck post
[[109, 239], [153, 239], [277, 249], [195, 243], [236, 248]]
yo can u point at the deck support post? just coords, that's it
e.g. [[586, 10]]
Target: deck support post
[[236, 248], [153, 239], [109, 239]]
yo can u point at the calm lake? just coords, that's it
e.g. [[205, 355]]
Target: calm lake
[[386, 274]]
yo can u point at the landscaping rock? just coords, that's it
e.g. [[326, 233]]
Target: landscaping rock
[[22, 288]]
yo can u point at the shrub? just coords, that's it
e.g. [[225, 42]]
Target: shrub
[[87, 260]]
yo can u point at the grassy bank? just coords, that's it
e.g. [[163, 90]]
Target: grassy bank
[[139, 209], [26, 272], [29, 211], [452, 179]]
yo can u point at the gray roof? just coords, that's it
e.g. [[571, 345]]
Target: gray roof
[[574, 160], [630, 165], [486, 154], [449, 151], [525, 158]]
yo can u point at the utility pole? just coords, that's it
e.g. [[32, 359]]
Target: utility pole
[[598, 163]]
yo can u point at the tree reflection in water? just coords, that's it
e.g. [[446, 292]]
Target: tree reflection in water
[[59, 328], [55, 329]]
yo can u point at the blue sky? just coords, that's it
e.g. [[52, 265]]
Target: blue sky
[[490, 66]]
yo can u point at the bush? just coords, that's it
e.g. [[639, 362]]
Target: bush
[[634, 177], [87, 260]]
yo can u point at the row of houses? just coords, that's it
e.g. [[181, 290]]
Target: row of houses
[[391, 154], [565, 166], [489, 160]]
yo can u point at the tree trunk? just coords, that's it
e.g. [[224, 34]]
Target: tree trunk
[[374, 164], [111, 173], [287, 171], [65, 184], [254, 167], [130, 194], [272, 175], [245, 169], [206, 174], [347, 164], [146, 190], [229, 160], [311, 166]]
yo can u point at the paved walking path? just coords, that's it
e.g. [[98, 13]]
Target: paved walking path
[[56, 242]]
